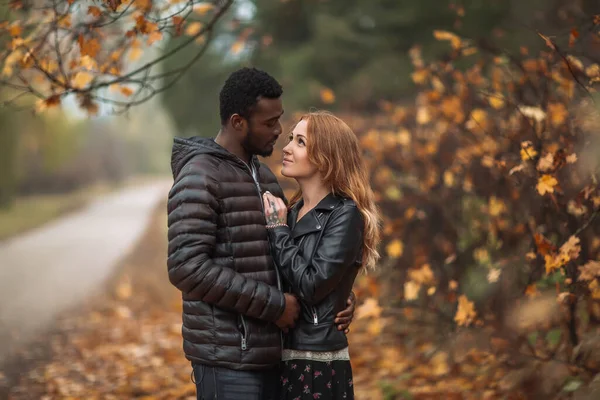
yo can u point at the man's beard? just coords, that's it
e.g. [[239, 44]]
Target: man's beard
[[253, 149]]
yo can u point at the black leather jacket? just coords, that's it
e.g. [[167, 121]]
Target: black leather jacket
[[319, 258]]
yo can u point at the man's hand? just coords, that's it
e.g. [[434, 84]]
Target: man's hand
[[290, 313], [344, 318]]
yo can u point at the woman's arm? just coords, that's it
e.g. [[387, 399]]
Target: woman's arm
[[340, 244]]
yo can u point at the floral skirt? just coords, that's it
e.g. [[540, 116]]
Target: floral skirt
[[325, 380]]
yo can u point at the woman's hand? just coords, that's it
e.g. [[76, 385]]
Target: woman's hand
[[275, 209]]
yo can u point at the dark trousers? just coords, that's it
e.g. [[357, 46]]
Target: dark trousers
[[216, 383]]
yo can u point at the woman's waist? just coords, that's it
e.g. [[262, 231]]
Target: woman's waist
[[312, 355]]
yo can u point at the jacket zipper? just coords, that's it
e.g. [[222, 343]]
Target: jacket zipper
[[279, 286], [244, 344], [315, 316]]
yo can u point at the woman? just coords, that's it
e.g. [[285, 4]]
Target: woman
[[330, 233]]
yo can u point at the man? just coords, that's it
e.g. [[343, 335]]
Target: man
[[219, 255]]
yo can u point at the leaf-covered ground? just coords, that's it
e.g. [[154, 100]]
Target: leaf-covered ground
[[126, 343]]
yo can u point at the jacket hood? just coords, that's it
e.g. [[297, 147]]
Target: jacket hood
[[186, 148]]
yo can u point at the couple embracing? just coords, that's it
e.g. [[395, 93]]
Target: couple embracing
[[266, 283]]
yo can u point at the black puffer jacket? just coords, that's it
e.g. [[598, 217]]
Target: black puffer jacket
[[319, 258], [219, 257]]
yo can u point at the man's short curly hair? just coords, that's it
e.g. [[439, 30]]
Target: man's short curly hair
[[242, 90]]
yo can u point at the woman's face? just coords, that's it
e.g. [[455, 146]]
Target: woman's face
[[295, 154]]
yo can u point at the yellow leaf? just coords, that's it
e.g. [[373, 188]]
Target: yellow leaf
[[496, 101], [527, 151], [546, 163], [10, 61], [88, 63], [558, 113], [452, 285], [493, 275], [369, 309], [327, 96], [546, 184], [448, 178], [411, 290], [593, 71], [237, 47], [439, 363], [82, 79], [135, 53], [423, 116], [375, 327], [65, 21], [465, 314], [571, 248], [395, 249], [393, 193], [154, 37], [595, 289], [423, 275], [589, 271], [420, 76], [572, 158], [193, 29], [203, 8], [451, 37], [496, 206]]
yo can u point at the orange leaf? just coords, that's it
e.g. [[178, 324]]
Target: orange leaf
[[135, 53], [203, 8], [95, 11], [237, 47], [451, 37], [50, 102], [126, 91], [15, 30], [178, 24], [546, 184], [573, 37], [370, 308], [327, 96], [88, 47], [154, 37], [465, 314], [193, 29], [82, 79], [544, 246]]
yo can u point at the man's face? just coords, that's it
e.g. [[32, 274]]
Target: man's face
[[264, 127]]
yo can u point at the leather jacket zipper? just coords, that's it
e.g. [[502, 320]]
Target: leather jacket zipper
[[244, 344], [315, 316]]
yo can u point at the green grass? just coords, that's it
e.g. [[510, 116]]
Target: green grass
[[30, 212]]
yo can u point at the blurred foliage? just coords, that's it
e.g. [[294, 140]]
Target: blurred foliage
[[356, 50]]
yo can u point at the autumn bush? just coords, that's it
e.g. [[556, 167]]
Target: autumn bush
[[489, 189]]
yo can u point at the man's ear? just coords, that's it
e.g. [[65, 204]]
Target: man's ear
[[238, 122]]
